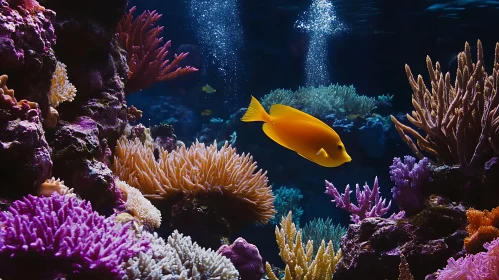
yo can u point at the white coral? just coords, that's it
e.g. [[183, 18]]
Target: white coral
[[139, 206], [61, 89], [179, 259]]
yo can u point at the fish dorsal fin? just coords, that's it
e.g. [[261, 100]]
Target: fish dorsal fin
[[322, 153], [283, 111]]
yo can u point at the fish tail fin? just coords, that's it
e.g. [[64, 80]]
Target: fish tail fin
[[255, 112]]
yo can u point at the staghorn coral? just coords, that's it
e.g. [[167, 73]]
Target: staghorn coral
[[197, 171], [245, 257], [483, 227], [62, 236], [369, 202], [139, 206], [298, 259], [147, 61], [178, 259], [323, 100], [61, 89], [461, 121], [411, 181]]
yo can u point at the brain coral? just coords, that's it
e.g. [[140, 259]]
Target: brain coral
[[197, 171]]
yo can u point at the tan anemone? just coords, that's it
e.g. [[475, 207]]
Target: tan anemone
[[197, 171]]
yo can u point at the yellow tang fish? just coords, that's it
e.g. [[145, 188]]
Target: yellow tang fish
[[208, 89], [300, 132]]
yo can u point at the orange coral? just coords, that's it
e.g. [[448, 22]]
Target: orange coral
[[198, 171], [483, 227]]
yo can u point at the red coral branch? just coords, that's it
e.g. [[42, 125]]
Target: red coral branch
[[147, 61]]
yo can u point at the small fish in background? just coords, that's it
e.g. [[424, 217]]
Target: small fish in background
[[355, 117], [298, 131], [208, 89], [206, 113]]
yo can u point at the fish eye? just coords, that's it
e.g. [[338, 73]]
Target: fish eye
[[340, 147]]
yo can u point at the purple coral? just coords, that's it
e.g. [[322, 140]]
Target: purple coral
[[369, 202], [62, 236], [410, 178], [245, 257]]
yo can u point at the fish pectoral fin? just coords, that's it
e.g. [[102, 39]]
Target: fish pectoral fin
[[271, 133], [322, 153]]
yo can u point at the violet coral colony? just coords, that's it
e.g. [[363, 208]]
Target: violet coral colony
[[411, 179], [369, 202], [62, 235]]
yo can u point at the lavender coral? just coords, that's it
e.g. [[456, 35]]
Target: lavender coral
[[410, 179], [369, 202], [62, 235]]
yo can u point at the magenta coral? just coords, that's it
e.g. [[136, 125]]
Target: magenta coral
[[245, 257], [369, 202], [62, 235], [482, 266], [147, 61]]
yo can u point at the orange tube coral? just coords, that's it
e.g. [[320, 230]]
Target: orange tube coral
[[483, 227]]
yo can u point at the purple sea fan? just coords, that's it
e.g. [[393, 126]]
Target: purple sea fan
[[370, 204], [410, 179], [61, 236]]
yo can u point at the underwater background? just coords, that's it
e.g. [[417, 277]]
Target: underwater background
[[130, 150]]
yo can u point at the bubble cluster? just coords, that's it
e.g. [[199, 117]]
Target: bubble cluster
[[319, 21], [218, 29]]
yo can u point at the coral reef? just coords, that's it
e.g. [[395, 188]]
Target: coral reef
[[371, 249], [77, 150], [298, 257], [178, 258], [461, 121], [26, 50], [61, 235], [245, 257], [26, 162]]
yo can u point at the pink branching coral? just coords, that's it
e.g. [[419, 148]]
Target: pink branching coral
[[147, 61], [370, 204]]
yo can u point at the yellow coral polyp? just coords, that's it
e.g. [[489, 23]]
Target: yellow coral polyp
[[61, 89]]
